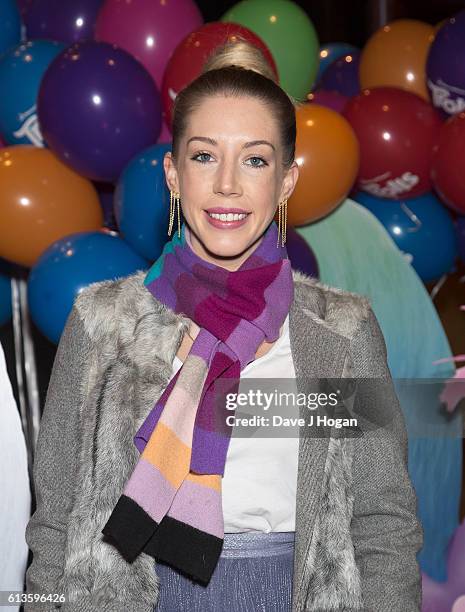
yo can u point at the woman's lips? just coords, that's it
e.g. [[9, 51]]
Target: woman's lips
[[226, 224]]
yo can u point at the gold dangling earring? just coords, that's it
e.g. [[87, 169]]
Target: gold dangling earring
[[174, 204], [282, 223]]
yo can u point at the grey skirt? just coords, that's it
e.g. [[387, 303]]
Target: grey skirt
[[254, 572]]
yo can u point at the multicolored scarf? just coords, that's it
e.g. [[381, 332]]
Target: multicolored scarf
[[171, 506]]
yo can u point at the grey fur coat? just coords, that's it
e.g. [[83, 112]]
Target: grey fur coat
[[357, 531]]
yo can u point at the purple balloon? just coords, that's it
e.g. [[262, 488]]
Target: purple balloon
[[440, 596], [445, 66], [97, 108], [330, 99], [300, 254], [63, 20], [343, 75]]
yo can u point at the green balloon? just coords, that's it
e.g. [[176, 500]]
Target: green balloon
[[290, 36]]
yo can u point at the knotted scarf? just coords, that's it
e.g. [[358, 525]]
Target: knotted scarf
[[171, 506]]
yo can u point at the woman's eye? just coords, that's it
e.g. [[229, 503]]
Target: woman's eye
[[201, 155], [259, 159]]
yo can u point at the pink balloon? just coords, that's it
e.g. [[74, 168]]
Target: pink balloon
[[331, 99], [148, 29], [459, 605]]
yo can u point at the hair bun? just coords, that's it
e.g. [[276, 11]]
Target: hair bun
[[239, 54]]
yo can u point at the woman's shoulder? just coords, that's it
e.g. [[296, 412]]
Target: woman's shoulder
[[340, 310], [114, 307]]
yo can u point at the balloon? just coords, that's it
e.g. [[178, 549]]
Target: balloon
[[62, 20], [142, 202], [97, 108], [447, 171], [300, 254], [69, 265], [422, 229], [460, 230], [330, 52], [396, 130], [395, 56], [445, 66], [21, 70], [327, 154], [290, 36], [190, 55], [448, 596], [459, 604], [342, 75], [5, 299], [330, 99], [149, 30], [41, 200], [10, 24]]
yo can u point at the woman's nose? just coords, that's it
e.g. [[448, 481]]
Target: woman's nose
[[227, 180]]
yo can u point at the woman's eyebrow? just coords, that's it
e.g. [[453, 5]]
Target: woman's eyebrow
[[247, 145]]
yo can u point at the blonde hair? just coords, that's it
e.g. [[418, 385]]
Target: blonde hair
[[238, 69], [240, 54]]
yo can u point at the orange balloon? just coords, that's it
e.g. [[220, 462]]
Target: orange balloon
[[41, 200], [327, 153], [395, 56]]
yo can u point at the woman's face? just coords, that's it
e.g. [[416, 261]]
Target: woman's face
[[230, 159]]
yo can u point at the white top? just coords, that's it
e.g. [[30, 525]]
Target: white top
[[260, 479], [15, 497]]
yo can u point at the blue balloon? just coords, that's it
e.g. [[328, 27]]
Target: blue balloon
[[10, 25], [21, 70], [330, 52], [69, 265], [5, 299], [422, 229], [141, 202]]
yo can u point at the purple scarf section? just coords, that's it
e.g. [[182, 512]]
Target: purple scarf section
[[171, 506]]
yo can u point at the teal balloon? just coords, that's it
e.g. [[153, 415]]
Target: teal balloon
[[10, 25], [289, 34], [141, 202], [330, 52], [21, 70], [356, 253], [422, 229], [69, 265], [5, 299]]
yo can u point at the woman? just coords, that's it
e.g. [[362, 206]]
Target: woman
[[146, 502]]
